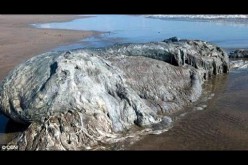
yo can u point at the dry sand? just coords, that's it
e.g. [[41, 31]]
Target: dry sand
[[20, 41]]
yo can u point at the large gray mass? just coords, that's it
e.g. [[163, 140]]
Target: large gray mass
[[91, 97]]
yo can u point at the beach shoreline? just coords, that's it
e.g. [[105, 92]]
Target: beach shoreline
[[20, 41]]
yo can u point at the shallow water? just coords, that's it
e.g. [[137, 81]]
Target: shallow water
[[128, 28]]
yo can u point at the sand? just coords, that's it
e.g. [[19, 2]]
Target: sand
[[19, 40], [222, 125]]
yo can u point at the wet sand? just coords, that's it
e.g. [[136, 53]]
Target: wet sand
[[20, 41], [221, 126]]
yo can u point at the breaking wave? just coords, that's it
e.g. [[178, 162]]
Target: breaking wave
[[232, 18]]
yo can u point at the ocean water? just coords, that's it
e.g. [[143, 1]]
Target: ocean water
[[147, 28], [222, 125]]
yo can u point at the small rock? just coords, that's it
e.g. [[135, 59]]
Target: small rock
[[172, 39], [239, 53]]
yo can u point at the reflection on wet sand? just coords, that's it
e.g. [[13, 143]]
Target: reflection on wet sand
[[221, 126], [10, 130]]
